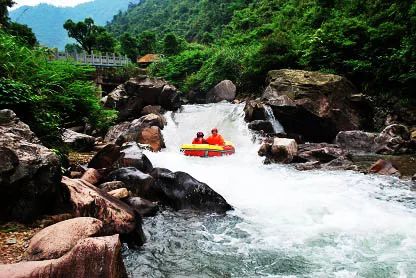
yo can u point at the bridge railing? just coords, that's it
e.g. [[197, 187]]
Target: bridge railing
[[93, 59]]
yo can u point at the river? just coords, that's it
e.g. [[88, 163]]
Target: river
[[285, 223]]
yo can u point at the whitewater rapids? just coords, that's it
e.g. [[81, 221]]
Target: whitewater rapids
[[285, 223]]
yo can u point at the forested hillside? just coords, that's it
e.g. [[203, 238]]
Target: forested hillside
[[46, 20], [373, 43]]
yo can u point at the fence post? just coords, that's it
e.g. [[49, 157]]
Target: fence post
[[92, 57]]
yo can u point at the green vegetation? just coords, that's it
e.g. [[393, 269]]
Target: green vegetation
[[47, 95], [90, 36], [373, 43]]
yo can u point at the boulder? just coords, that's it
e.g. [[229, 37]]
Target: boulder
[[92, 176], [127, 106], [152, 109], [180, 191], [357, 141], [169, 98], [144, 131], [283, 150], [55, 241], [29, 172], [90, 201], [261, 125], [322, 152], [120, 193], [90, 257], [78, 141], [225, 90], [153, 137], [111, 185], [130, 97], [105, 158], [395, 139], [134, 180], [142, 206], [254, 110], [131, 155], [314, 105], [383, 167]]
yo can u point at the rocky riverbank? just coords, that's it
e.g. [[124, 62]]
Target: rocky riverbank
[[326, 123]]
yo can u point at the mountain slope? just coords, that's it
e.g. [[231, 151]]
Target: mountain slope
[[46, 20]]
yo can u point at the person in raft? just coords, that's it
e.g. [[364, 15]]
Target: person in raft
[[199, 139], [215, 138]]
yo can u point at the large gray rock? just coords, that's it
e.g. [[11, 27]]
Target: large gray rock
[[142, 206], [315, 105], [261, 125], [180, 191], [57, 240], [91, 257], [29, 172], [254, 110], [357, 140], [136, 93], [225, 90], [78, 141], [145, 130]]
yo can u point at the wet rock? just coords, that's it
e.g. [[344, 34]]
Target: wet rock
[[111, 185], [225, 90], [132, 156], [261, 125], [92, 176], [81, 261], [254, 110], [341, 163], [357, 140], [75, 175], [169, 98], [120, 193], [29, 172], [322, 152], [283, 150], [308, 166], [395, 139], [314, 105], [142, 206], [78, 141], [143, 131], [148, 89], [106, 157], [55, 241], [134, 180], [153, 137], [90, 201], [383, 167], [180, 191], [152, 109]]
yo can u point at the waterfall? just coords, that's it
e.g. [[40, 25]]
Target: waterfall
[[277, 127]]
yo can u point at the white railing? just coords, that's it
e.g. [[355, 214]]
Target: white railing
[[97, 60]]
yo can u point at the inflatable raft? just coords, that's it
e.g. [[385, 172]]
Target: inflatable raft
[[205, 150]]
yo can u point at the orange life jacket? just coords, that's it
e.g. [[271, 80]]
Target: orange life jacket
[[199, 141], [215, 140]]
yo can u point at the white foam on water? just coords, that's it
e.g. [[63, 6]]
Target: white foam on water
[[345, 224]]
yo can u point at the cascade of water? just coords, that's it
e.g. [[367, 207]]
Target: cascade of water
[[277, 127], [285, 223]]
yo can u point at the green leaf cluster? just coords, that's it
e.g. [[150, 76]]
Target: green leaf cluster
[[47, 95]]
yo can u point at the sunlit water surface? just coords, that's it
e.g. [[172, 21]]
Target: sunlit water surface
[[285, 223]]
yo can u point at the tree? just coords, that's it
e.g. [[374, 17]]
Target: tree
[[147, 42], [73, 48], [89, 36], [129, 46], [171, 44], [4, 14], [23, 33]]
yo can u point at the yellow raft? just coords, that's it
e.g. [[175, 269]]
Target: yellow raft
[[205, 150]]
